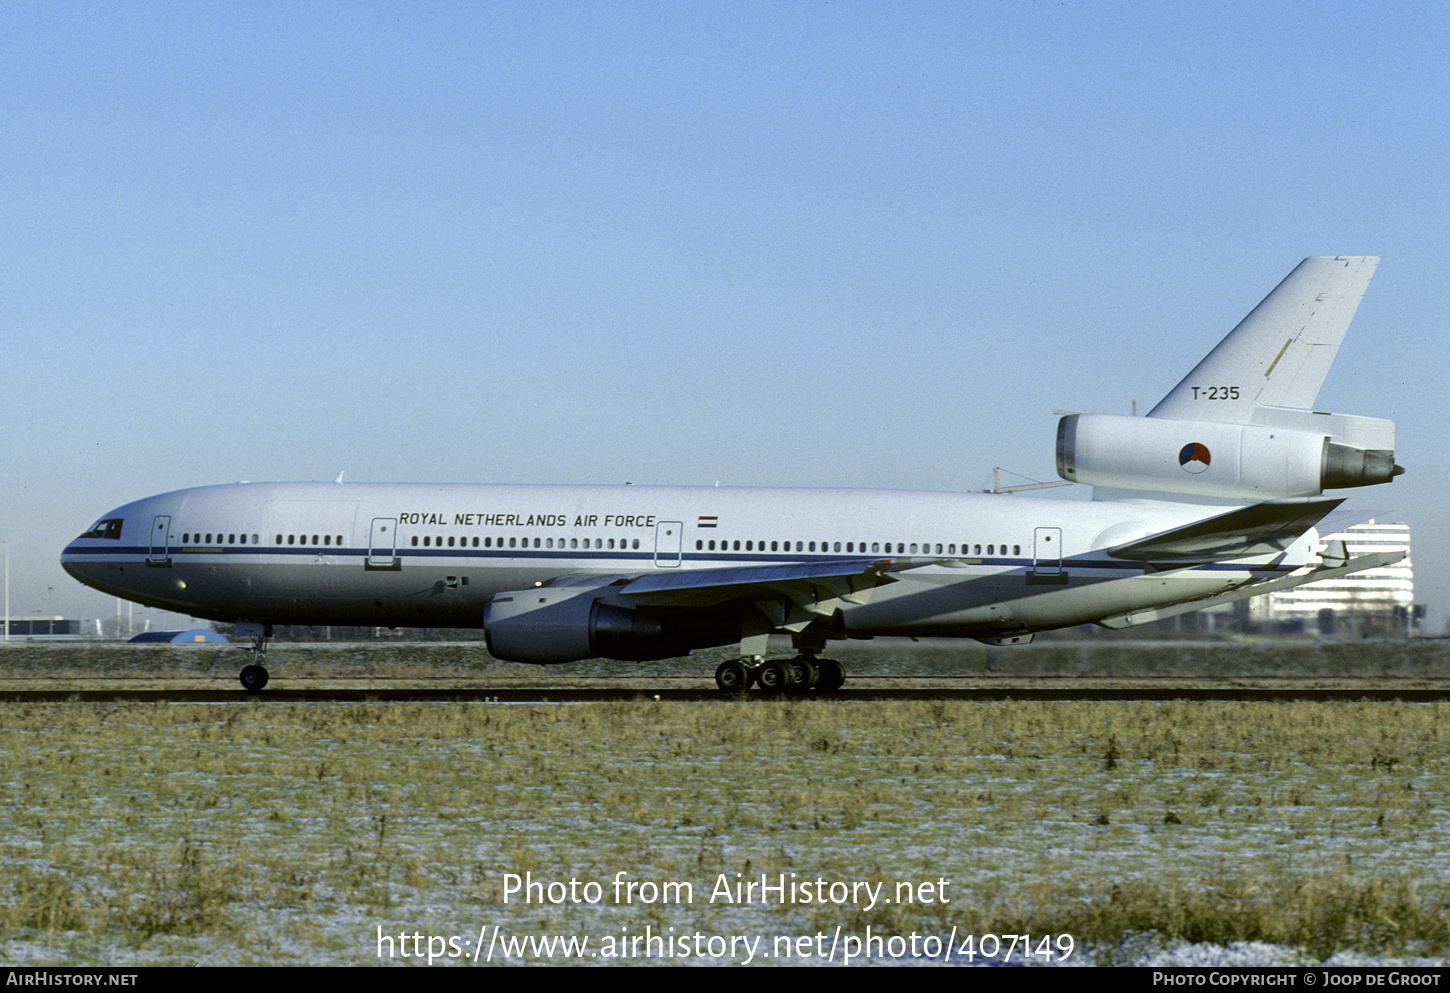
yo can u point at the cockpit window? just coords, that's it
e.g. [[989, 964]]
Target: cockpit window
[[106, 529]]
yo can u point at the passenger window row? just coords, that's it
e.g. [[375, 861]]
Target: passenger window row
[[218, 538], [438, 541], [876, 547], [453, 541], [236, 538]]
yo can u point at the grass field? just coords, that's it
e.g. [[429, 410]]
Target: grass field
[[1420, 662], [267, 832]]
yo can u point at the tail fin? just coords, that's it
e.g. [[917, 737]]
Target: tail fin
[[1241, 425], [1279, 355]]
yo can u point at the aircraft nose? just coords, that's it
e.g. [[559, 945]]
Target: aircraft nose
[[94, 553], [80, 566], [72, 564]]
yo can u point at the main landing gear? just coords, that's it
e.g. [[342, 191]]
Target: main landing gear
[[254, 676], [801, 674]]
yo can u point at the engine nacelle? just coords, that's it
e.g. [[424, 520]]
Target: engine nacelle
[[552, 624], [1285, 453]]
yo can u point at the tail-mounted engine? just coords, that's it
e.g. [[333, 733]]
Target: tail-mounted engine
[[1283, 453]]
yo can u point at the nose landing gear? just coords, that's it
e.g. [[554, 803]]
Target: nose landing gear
[[254, 676]]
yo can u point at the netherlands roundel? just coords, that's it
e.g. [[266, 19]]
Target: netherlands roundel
[[1193, 458]]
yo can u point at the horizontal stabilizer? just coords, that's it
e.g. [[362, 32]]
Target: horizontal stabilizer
[[1343, 520], [1358, 564], [1262, 529]]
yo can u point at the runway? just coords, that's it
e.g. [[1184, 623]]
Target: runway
[[1409, 671], [695, 690]]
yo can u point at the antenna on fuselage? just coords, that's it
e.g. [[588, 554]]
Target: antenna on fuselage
[[1068, 413], [997, 486]]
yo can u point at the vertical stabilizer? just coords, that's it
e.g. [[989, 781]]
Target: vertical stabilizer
[[1279, 355], [1241, 425]]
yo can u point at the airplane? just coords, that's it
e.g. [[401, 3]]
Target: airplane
[[1216, 495]]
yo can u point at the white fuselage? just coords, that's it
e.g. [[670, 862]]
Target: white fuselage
[[423, 555]]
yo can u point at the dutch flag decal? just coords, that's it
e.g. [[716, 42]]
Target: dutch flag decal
[[706, 522]]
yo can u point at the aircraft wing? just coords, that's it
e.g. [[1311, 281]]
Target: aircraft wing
[[789, 596], [831, 579], [1263, 529]]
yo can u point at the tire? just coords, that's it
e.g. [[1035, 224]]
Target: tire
[[775, 676], [733, 677], [831, 677], [806, 672]]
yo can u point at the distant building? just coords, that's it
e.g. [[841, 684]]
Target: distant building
[[46, 627], [1373, 602]]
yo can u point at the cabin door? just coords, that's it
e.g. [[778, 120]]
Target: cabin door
[[383, 544], [160, 542], [667, 544], [1047, 551]]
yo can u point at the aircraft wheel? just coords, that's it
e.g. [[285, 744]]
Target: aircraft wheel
[[253, 677], [732, 676], [775, 676], [805, 671], [831, 677]]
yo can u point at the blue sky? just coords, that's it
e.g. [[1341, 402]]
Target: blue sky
[[766, 244]]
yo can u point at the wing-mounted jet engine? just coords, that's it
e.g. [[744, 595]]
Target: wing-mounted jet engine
[[553, 624]]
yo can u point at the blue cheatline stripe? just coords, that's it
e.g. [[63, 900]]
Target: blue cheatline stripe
[[699, 559]]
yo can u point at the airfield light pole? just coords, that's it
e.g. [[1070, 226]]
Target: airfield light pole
[[7, 589]]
